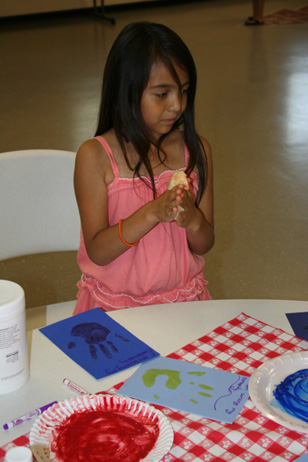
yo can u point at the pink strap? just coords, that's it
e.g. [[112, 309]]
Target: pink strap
[[186, 154], [109, 153]]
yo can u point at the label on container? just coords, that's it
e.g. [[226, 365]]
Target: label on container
[[13, 353], [9, 336]]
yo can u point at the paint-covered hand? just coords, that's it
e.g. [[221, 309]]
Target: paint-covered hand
[[187, 210], [165, 207]]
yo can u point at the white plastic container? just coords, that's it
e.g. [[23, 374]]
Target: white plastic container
[[19, 454], [14, 369]]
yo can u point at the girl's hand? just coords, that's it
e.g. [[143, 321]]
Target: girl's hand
[[199, 220], [165, 207], [188, 212]]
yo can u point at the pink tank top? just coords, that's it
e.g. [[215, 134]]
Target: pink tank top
[[160, 269]]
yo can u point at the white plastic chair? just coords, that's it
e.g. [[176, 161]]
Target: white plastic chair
[[38, 210]]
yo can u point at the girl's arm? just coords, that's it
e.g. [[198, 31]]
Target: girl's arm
[[93, 173], [199, 221]]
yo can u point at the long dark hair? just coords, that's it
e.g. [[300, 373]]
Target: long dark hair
[[127, 72]]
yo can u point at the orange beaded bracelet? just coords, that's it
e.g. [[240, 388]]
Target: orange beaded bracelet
[[122, 238]]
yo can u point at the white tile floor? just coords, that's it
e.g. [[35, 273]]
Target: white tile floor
[[252, 105]]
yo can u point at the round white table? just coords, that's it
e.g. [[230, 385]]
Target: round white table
[[165, 328]]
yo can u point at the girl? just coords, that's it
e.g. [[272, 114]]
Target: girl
[[137, 246]]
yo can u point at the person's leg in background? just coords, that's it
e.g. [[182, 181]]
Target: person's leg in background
[[257, 16]]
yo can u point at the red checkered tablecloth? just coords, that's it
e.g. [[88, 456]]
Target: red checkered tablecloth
[[239, 346]]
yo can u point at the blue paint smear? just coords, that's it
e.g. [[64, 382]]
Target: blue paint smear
[[292, 394]]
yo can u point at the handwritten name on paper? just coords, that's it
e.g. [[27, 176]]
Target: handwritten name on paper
[[240, 384]]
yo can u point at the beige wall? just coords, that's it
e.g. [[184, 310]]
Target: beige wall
[[20, 7]]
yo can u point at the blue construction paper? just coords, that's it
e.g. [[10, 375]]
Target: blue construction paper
[[299, 324], [98, 344], [187, 387], [303, 458]]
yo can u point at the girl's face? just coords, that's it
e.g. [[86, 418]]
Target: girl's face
[[163, 102]]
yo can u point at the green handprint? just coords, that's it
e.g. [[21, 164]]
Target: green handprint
[[174, 380]]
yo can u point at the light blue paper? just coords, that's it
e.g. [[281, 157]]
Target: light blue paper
[[303, 458], [97, 343], [187, 387]]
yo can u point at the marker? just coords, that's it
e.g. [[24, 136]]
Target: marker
[[28, 416], [74, 387]]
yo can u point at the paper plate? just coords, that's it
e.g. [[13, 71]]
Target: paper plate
[[46, 427], [264, 380]]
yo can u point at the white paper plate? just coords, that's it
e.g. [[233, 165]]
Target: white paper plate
[[41, 434], [264, 380]]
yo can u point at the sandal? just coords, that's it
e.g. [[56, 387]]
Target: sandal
[[253, 22]]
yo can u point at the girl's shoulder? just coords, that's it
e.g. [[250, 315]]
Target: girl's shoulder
[[204, 140], [91, 152], [92, 157], [207, 149]]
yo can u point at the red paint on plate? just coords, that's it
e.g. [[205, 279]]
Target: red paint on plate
[[98, 436]]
